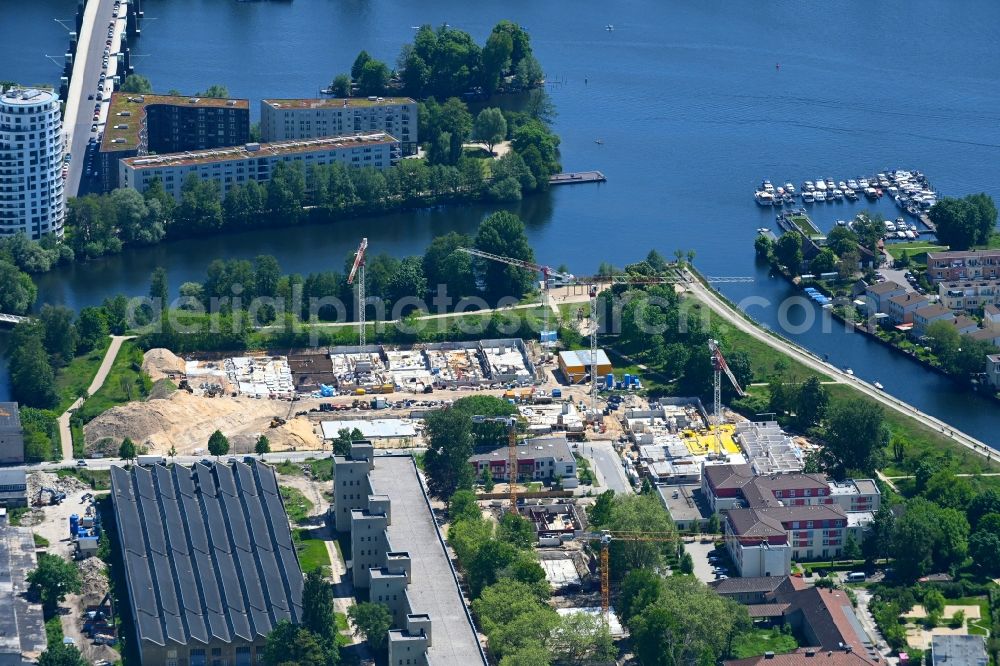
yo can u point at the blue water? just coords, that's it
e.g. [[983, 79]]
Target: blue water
[[686, 98]]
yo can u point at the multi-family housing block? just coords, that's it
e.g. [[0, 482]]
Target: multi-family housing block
[[230, 167], [285, 119], [539, 459], [963, 265]]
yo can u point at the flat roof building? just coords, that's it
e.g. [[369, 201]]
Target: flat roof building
[[399, 556], [13, 487], [149, 124], [958, 650], [209, 562], [577, 365], [290, 119], [239, 165], [32, 196], [22, 629], [11, 435]]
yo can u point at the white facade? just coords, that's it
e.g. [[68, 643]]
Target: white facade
[[32, 199], [255, 161], [288, 119], [760, 559]]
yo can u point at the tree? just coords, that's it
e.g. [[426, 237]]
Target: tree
[[200, 209], [788, 251], [490, 127], [214, 91], [449, 446], [374, 78], [317, 605], [856, 436], [218, 444], [341, 86], [92, 328], [127, 450], [824, 262], [763, 247], [582, 638], [516, 530], [514, 617], [60, 333], [982, 504], [32, 380], [945, 340], [841, 240], [878, 541], [463, 506], [928, 538], [291, 645], [60, 654], [359, 64], [600, 511], [637, 513], [934, 602], [742, 368], [852, 551], [159, 290], [134, 83], [496, 59], [262, 446], [983, 547], [116, 310], [811, 403], [687, 624], [373, 621], [486, 480], [503, 233], [949, 491], [962, 223], [528, 73], [346, 437], [52, 580], [19, 291], [445, 265]]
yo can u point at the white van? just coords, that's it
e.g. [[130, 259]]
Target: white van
[[856, 577]]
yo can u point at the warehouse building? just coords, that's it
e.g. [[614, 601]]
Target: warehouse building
[[576, 365], [11, 435], [148, 124], [292, 119], [209, 562], [13, 487], [229, 167]]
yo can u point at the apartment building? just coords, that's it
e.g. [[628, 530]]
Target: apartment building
[[539, 459], [229, 167], [963, 265], [927, 315], [902, 307], [398, 556], [727, 487], [991, 317], [151, 124], [32, 200], [877, 295], [967, 295], [292, 119]]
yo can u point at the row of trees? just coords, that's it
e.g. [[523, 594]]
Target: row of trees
[[446, 62], [137, 84]]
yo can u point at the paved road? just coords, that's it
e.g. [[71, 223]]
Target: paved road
[[736, 319], [78, 116], [608, 465], [65, 434]]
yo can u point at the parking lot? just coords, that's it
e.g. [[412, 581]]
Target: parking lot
[[703, 569]]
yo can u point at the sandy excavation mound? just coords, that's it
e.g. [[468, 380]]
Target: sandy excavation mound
[[159, 363], [186, 421]]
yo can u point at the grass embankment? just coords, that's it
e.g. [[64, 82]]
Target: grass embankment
[[312, 551], [755, 643], [917, 250], [97, 479], [74, 380], [125, 382], [297, 505]]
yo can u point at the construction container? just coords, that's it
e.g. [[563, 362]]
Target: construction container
[[556, 393], [609, 381], [149, 461], [74, 524]]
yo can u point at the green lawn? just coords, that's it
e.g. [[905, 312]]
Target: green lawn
[[297, 505], [53, 631], [312, 552], [98, 479], [288, 468], [73, 380], [916, 249], [322, 470], [343, 629], [125, 382], [40, 541], [759, 641]]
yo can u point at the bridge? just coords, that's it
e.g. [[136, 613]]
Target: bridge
[[87, 68], [13, 319]]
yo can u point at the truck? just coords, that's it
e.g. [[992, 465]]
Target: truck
[[149, 461]]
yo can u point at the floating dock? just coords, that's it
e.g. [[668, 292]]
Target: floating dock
[[574, 177]]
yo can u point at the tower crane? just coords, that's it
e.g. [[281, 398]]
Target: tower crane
[[511, 424], [605, 537], [546, 272], [720, 366], [356, 269]]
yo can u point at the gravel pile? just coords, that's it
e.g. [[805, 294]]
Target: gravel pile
[[66, 484], [95, 582]]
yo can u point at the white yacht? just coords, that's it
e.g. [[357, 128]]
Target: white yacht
[[790, 189], [838, 195], [820, 185], [808, 186], [820, 195], [808, 196], [763, 198], [853, 184]]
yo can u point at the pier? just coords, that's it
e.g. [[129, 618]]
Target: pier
[[573, 177], [12, 319]]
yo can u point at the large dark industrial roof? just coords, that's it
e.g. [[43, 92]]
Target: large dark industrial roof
[[207, 550]]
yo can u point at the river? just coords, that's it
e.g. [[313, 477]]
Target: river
[[693, 104]]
